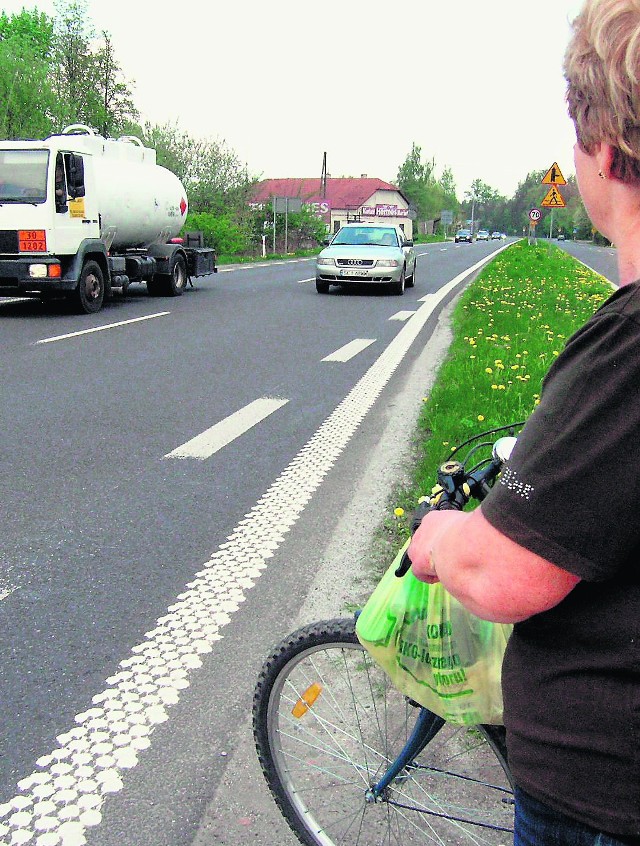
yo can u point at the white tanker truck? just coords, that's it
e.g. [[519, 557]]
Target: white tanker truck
[[81, 214]]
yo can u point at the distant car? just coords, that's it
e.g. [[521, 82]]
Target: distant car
[[561, 237], [361, 253], [496, 236], [464, 235], [482, 235]]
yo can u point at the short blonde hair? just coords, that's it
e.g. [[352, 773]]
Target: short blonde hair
[[602, 69]]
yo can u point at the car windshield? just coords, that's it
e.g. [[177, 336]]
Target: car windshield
[[23, 176], [371, 236]]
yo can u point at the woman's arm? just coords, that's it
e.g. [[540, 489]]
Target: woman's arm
[[490, 574]]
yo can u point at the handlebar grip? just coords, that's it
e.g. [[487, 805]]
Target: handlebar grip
[[404, 566]]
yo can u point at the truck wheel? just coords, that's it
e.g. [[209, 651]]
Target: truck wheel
[[89, 295], [177, 281]]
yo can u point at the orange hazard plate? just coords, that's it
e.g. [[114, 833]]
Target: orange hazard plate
[[32, 241]]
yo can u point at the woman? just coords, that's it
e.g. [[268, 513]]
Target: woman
[[555, 548]]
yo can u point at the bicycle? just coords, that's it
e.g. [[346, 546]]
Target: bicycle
[[349, 759]]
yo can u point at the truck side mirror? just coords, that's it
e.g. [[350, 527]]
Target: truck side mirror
[[75, 176]]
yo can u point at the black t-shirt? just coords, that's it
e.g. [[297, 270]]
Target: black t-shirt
[[571, 494]]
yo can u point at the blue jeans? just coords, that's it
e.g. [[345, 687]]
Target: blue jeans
[[538, 825]]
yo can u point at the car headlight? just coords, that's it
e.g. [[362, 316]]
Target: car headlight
[[387, 263], [326, 261]]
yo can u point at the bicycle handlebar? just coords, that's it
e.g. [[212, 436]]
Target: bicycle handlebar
[[457, 486]]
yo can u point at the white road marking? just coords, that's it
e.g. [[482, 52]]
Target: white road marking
[[350, 350], [402, 315], [227, 430], [64, 796], [249, 264], [300, 281], [6, 589], [102, 328]]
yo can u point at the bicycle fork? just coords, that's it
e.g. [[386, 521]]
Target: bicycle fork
[[427, 726]]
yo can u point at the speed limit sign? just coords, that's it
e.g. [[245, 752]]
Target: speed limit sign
[[535, 215]]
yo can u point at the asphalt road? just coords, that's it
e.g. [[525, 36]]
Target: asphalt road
[[140, 591]]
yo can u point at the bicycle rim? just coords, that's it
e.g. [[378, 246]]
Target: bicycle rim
[[327, 724]]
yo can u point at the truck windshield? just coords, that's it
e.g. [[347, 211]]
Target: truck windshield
[[23, 176]]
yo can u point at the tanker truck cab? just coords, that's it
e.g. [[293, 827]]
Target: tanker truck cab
[[81, 215]]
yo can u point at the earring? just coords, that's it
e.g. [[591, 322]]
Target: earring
[[601, 175]]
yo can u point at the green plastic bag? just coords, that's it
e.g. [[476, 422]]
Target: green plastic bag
[[434, 650]]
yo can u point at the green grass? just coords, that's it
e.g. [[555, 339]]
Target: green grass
[[508, 327]]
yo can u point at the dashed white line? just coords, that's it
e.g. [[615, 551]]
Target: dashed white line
[[213, 439], [102, 328], [350, 350], [402, 315]]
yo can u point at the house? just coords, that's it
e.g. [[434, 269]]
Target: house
[[340, 200]]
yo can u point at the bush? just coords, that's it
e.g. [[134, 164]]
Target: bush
[[221, 232]]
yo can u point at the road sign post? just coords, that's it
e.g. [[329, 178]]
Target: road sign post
[[534, 217], [553, 199]]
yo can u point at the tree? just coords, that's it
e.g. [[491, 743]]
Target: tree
[[484, 205], [213, 176], [26, 95], [87, 74], [417, 181], [117, 105]]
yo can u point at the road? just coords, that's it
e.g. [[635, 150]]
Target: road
[[146, 568]]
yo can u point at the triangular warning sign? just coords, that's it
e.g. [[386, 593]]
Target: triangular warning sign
[[554, 199], [554, 176]]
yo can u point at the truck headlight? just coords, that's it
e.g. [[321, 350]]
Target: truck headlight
[[38, 271], [42, 271], [326, 261], [387, 263]]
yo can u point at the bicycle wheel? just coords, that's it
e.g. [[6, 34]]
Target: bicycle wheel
[[327, 723]]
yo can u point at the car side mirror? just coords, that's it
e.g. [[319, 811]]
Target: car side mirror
[[407, 243], [326, 241]]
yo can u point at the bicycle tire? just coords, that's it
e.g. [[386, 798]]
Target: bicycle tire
[[319, 764]]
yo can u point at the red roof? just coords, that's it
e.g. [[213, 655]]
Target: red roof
[[343, 193]]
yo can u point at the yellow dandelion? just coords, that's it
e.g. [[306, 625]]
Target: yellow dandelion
[[398, 512], [481, 417]]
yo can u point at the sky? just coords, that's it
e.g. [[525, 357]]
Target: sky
[[478, 86]]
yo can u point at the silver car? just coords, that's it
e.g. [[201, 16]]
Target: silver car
[[362, 253]]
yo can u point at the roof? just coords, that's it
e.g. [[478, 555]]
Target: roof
[[342, 193]]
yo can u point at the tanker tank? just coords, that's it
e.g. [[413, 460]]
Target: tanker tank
[[141, 203]]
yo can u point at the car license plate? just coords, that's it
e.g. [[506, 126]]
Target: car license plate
[[352, 273]]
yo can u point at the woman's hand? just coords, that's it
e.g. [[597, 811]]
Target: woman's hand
[[421, 549]]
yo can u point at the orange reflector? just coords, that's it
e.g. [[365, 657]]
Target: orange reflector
[[32, 241], [55, 271], [306, 700]]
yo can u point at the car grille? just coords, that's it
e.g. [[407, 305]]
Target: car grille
[[341, 262]]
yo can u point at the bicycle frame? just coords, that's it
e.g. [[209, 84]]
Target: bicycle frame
[[427, 726]]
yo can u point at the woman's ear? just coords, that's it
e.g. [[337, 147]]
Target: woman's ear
[[605, 155]]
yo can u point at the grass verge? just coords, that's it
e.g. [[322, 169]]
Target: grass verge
[[508, 327]]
